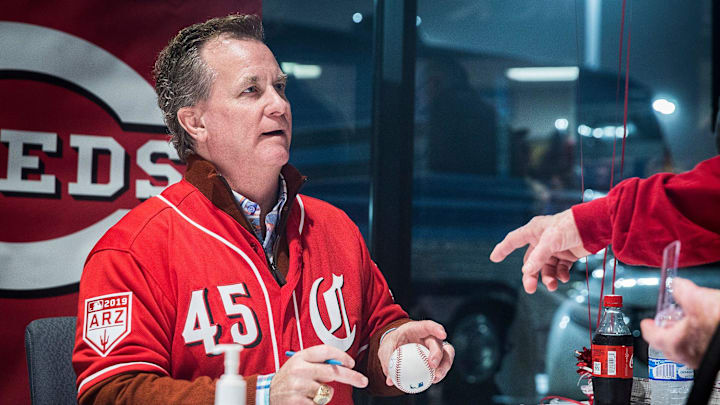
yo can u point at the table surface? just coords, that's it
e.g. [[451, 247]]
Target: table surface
[[641, 394]]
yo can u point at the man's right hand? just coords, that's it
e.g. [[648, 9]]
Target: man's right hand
[[299, 379], [555, 244]]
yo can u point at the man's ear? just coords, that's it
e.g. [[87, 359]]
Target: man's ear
[[191, 120]]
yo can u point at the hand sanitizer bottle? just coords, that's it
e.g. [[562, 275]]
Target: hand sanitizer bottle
[[230, 388]]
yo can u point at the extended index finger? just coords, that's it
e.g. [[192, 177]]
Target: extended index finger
[[328, 373], [513, 240]]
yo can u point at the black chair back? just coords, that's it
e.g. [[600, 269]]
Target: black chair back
[[48, 346]]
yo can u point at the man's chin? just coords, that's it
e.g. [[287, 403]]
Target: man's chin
[[277, 158]]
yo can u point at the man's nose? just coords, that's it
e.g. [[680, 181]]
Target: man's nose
[[277, 104]]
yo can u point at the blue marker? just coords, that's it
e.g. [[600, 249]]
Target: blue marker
[[334, 362]]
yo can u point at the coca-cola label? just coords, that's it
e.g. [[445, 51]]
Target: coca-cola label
[[612, 361]]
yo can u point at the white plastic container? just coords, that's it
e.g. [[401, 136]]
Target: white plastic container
[[670, 382], [230, 388]]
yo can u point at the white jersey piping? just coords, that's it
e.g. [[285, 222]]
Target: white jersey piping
[[300, 229], [252, 266], [302, 215], [297, 321], [115, 366]]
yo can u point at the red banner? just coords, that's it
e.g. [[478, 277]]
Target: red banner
[[81, 142]]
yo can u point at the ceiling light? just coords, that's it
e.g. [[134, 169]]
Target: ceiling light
[[663, 106], [543, 74]]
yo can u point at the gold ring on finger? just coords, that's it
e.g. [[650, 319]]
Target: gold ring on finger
[[324, 394]]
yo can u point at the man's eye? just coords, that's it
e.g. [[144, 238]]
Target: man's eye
[[280, 87], [251, 89]]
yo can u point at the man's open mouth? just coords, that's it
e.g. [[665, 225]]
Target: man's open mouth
[[276, 132]]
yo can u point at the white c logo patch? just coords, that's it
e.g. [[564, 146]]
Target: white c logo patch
[[335, 305]]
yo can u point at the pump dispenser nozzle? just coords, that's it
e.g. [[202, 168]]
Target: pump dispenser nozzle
[[230, 388]]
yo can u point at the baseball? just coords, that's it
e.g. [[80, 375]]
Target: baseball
[[409, 368]]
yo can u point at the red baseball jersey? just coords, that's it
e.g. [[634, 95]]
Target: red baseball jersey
[[177, 276]]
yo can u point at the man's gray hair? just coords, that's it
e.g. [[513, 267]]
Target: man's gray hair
[[182, 78]]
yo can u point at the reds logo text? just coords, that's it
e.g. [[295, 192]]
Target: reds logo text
[[82, 141]]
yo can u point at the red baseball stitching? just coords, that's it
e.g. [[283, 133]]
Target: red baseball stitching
[[427, 362], [397, 365]]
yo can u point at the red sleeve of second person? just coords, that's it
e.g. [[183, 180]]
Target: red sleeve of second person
[[641, 216]]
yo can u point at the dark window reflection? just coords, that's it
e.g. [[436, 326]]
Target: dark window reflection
[[456, 126], [498, 142]]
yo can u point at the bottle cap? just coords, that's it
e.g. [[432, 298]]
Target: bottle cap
[[230, 387], [232, 357], [612, 300]]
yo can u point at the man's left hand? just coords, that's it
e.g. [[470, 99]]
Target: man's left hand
[[428, 333]]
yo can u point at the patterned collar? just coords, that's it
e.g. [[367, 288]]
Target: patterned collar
[[251, 210]]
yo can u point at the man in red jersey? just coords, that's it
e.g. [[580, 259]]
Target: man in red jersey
[[234, 254]]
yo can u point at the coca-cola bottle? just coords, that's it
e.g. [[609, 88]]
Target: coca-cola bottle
[[612, 356]]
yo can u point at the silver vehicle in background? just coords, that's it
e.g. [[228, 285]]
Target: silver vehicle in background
[[570, 324]]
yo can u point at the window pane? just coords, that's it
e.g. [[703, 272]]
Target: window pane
[[326, 49], [504, 98]]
